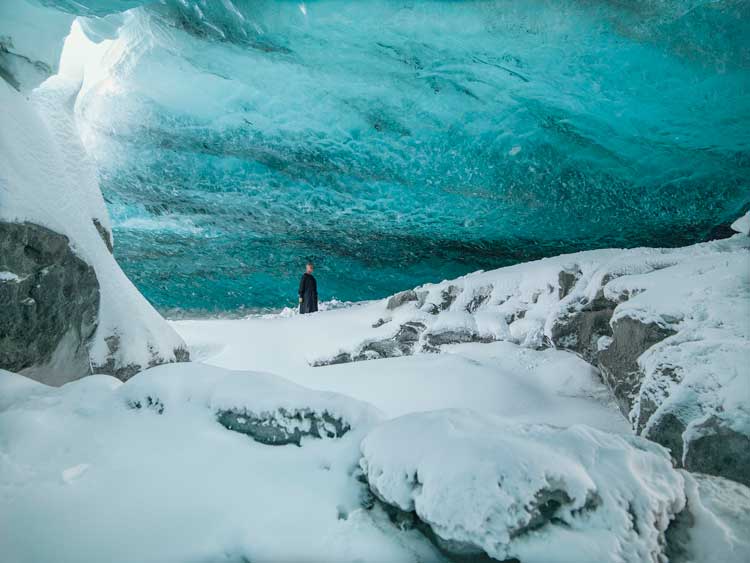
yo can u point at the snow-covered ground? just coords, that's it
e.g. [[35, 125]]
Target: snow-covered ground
[[143, 471], [548, 386]]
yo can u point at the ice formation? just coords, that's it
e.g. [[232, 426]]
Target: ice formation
[[397, 141]]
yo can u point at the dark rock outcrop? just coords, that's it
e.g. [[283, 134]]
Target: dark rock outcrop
[[717, 449], [566, 281], [49, 299], [580, 329], [454, 336], [619, 361], [104, 233], [400, 298], [283, 426]]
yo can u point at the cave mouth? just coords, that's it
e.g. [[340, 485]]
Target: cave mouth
[[396, 143]]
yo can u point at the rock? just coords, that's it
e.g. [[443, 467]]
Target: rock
[[479, 298], [484, 484], [448, 296], [342, 358], [104, 233], [454, 336], [581, 328], [402, 344], [667, 431], [714, 448], [123, 373], [49, 308], [619, 361], [400, 298], [283, 426], [567, 279]]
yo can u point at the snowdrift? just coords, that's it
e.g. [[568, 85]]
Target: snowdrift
[[667, 328]]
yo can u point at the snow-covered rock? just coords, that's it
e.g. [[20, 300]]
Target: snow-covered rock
[[742, 225], [269, 409], [48, 184], [667, 327], [714, 525], [532, 492], [104, 481]]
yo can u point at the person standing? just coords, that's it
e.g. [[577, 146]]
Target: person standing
[[308, 291]]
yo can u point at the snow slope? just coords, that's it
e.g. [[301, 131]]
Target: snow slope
[[85, 477], [47, 179]]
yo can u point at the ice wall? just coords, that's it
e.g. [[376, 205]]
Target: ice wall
[[399, 141]]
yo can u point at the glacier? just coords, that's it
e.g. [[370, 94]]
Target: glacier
[[388, 140], [590, 406]]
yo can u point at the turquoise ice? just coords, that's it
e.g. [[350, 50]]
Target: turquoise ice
[[399, 142]]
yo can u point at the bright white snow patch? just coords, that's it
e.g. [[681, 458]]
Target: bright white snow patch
[[534, 492], [72, 473], [742, 225]]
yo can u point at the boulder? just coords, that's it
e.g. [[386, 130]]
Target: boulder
[[483, 485], [50, 301], [619, 360], [283, 426]]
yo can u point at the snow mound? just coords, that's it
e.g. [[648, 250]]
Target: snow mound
[[742, 225], [179, 487], [537, 493], [266, 407]]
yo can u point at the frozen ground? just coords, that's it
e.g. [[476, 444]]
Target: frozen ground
[[531, 386], [142, 471]]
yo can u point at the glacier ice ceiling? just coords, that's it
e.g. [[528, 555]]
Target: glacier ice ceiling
[[398, 142]]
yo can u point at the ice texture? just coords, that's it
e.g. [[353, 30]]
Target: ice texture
[[396, 141]]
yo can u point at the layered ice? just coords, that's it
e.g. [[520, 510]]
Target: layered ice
[[392, 140]]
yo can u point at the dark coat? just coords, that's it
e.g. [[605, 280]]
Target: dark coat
[[308, 291]]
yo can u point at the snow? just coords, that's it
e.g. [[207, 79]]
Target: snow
[[178, 486], [9, 277], [742, 225], [547, 386], [47, 179], [135, 476], [702, 292], [480, 480]]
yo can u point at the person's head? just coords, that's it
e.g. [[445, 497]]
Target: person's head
[[309, 267]]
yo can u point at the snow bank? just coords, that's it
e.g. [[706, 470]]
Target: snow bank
[[269, 401], [536, 493]]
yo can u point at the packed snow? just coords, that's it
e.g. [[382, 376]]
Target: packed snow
[[150, 460], [532, 492]]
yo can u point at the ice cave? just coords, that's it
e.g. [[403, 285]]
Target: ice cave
[[526, 228]]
